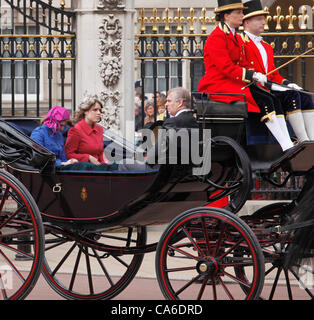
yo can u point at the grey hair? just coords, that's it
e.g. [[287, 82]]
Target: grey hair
[[182, 93]]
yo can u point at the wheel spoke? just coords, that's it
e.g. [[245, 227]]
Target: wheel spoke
[[270, 270], [57, 244], [219, 241], [2, 287], [20, 276], [236, 245], [200, 294], [205, 232], [180, 269], [226, 289], [288, 284], [197, 248], [275, 283], [89, 272], [5, 222], [77, 262], [26, 254], [18, 233], [121, 261], [214, 288], [184, 253], [187, 284], [4, 197], [103, 268], [63, 259], [236, 279], [302, 284]]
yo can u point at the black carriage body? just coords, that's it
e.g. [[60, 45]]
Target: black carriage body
[[114, 198]]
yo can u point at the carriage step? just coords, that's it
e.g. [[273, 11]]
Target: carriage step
[[297, 159]]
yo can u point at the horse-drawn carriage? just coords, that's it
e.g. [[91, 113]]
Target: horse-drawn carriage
[[68, 223]]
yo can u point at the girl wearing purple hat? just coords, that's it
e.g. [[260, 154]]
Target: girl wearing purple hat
[[49, 134]]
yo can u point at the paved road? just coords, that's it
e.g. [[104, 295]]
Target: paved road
[[142, 289]]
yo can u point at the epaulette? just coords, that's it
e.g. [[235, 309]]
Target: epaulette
[[244, 36], [223, 27]]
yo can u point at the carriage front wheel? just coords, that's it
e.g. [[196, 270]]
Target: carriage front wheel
[[21, 239], [199, 252], [78, 266]]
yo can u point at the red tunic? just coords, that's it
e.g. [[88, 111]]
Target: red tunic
[[255, 59], [227, 68], [83, 141]]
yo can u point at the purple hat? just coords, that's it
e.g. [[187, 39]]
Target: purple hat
[[55, 115]]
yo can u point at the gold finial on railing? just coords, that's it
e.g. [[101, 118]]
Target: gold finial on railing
[[291, 18], [303, 18], [279, 18], [203, 19], [167, 20], [142, 20], [191, 19], [179, 19], [62, 3], [154, 20], [267, 20]]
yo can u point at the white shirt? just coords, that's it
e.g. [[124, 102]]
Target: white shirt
[[257, 41], [179, 112], [232, 29]]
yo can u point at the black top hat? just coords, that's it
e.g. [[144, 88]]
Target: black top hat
[[254, 8], [224, 5]]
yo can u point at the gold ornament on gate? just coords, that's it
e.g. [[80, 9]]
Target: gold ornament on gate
[[291, 18]]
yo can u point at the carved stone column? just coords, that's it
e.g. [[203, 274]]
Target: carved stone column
[[105, 34]]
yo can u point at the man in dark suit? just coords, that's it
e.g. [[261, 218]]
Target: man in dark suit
[[174, 137], [178, 104]]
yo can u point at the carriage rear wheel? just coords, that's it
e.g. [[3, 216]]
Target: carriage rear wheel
[[21, 239], [297, 278], [76, 267], [198, 252]]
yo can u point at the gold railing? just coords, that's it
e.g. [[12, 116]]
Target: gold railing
[[181, 34]]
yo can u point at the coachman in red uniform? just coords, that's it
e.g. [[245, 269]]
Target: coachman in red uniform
[[228, 69], [225, 61]]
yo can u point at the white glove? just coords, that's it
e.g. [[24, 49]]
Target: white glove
[[259, 77], [294, 86], [276, 87]]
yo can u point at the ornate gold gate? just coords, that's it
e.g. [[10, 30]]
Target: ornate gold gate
[[37, 57], [179, 35]]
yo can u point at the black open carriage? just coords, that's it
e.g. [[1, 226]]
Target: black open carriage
[[95, 222]]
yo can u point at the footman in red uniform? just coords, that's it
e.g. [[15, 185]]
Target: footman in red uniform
[[228, 70], [298, 107]]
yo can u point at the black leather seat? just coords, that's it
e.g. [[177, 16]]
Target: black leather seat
[[21, 152]]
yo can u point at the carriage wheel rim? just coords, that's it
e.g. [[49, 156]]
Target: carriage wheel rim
[[37, 256], [254, 284], [109, 293]]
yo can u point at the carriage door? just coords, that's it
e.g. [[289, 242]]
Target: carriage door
[[37, 58]]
